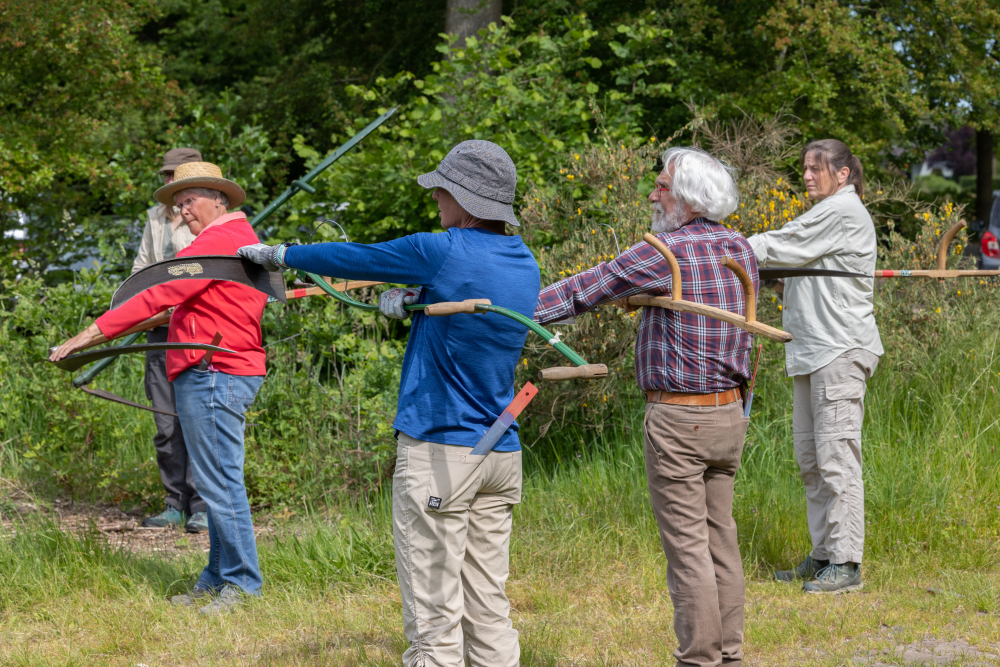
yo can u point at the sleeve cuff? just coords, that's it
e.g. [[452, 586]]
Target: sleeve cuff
[[759, 246]]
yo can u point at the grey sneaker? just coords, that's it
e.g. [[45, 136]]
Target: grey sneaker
[[229, 599], [198, 523], [195, 597], [168, 518], [807, 569], [835, 579]]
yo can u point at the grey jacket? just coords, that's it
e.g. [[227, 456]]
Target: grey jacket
[[826, 316], [161, 239]]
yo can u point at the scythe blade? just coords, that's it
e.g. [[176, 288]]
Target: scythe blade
[[205, 267]]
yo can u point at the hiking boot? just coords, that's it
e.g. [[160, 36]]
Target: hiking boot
[[195, 597], [229, 599], [807, 569], [168, 518], [835, 579], [198, 523]]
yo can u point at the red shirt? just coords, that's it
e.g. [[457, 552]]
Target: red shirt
[[204, 307]]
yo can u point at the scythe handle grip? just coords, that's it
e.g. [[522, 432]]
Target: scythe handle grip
[[454, 307], [587, 371], [748, 296], [945, 242], [675, 268]]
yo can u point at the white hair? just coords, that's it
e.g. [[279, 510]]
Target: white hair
[[701, 181], [208, 193]]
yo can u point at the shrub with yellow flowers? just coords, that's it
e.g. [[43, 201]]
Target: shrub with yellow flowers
[[595, 206]]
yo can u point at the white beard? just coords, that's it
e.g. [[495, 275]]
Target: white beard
[[664, 222]]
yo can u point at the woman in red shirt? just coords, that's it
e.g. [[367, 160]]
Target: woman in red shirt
[[211, 402]]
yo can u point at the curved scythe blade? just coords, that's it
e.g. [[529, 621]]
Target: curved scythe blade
[[204, 267], [75, 361], [774, 274], [108, 396]]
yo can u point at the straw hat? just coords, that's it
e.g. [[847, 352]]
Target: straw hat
[[200, 175]]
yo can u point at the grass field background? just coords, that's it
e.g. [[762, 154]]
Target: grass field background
[[587, 580]]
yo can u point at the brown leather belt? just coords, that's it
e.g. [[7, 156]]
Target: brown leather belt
[[715, 400]]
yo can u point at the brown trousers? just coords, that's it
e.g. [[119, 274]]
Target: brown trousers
[[692, 455]]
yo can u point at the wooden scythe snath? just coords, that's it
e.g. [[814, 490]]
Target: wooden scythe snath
[[746, 322], [941, 271]]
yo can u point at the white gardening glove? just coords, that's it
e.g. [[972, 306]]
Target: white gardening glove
[[391, 302], [271, 257]]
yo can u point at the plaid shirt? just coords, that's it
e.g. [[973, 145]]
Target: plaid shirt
[[678, 352]]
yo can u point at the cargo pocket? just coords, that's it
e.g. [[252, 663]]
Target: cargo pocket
[[843, 411], [453, 480]]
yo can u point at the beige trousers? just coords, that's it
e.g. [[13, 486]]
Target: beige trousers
[[692, 455], [828, 410], [451, 522]]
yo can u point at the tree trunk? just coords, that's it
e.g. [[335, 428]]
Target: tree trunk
[[467, 17], [984, 174]]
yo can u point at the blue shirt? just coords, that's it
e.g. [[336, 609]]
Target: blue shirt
[[458, 370]]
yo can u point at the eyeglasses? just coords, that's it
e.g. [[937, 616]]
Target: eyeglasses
[[187, 203], [658, 192]]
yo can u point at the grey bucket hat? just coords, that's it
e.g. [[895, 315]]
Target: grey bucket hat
[[481, 177]]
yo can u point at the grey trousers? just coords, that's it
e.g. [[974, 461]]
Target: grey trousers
[[828, 410], [171, 452], [692, 455]]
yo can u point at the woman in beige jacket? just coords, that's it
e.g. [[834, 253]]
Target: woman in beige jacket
[[833, 354]]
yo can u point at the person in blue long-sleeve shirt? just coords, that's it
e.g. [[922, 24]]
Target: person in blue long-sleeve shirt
[[452, 511]]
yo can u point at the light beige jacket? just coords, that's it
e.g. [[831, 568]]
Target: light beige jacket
[[161, 239], [826, 316]]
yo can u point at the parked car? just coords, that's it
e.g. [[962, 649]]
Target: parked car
[[990, 239]]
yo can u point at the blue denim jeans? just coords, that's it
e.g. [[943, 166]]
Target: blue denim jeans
[[211, 408]]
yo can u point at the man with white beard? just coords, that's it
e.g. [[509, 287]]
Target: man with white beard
[[692, 370]]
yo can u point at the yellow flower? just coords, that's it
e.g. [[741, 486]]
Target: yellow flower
[[576, 155], [609, 186], [592, 231], [938, 310], [780, 307], [570, 176]]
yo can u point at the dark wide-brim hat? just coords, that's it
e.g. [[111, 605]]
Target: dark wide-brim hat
[[175, 157], [481, 177], [200, 175]]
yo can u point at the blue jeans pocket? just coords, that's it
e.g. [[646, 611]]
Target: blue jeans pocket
[[242, 391]]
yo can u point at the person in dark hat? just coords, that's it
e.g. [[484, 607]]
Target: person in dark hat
[[452, 511], [165, 235]]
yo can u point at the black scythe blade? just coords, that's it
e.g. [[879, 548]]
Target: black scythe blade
[[108, 396], [774, 274], [205, 267], [75, 361]]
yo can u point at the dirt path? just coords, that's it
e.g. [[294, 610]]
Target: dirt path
[[120, 529]]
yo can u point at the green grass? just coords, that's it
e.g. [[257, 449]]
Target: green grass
[[587, 582]]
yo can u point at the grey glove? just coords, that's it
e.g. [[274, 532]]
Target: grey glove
[[271, 257], [391, 302]]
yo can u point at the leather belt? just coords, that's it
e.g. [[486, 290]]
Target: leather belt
[[715, 400]]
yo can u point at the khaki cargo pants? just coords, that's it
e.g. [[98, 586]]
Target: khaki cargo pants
[[451, 523], [692, 455], [828, 410]]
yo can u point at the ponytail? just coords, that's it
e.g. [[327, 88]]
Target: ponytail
[[835, 155]]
